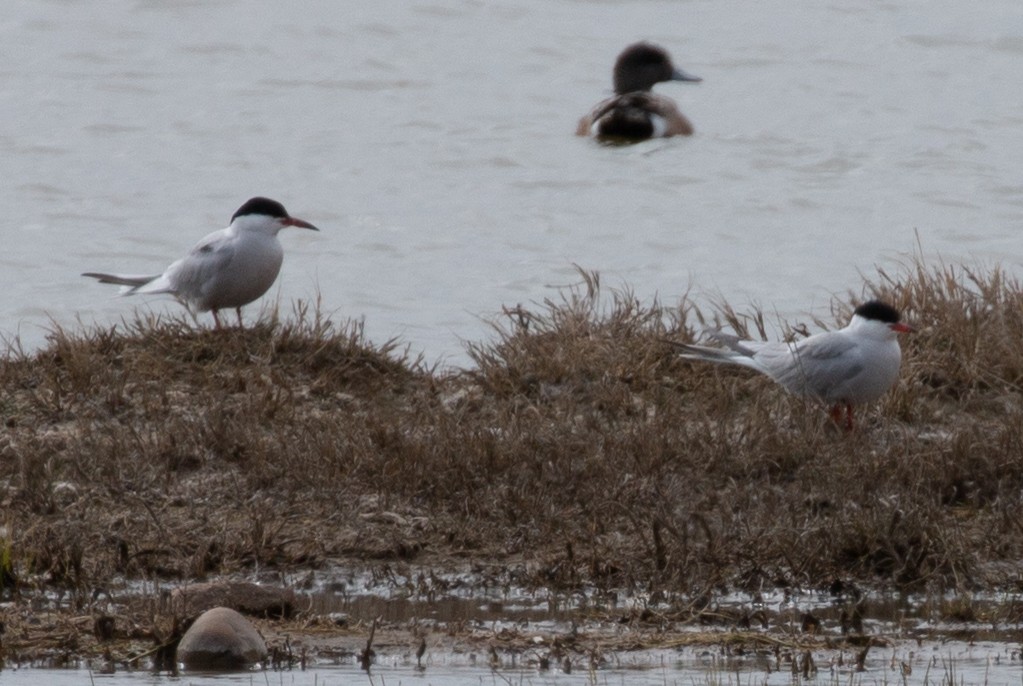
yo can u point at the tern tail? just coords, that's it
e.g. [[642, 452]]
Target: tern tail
[[699, 352], [737, 356], [134, 280]]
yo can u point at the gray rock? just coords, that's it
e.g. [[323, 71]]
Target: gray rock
[[221, 639]]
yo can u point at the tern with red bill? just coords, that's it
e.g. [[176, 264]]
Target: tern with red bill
[[228, 268], [851, 366]]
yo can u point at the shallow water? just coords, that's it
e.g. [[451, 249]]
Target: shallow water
[[432, 143], [920, 639], [990, 664]]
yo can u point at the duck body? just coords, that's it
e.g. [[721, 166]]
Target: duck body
[[636, 113]]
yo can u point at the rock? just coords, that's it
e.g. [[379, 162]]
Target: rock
[[248, 598], [221, 639]]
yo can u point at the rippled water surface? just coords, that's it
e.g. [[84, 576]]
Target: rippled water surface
[[974, 666], [924, 640], [432, 142]]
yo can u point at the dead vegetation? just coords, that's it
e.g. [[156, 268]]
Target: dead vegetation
[[577, 450]]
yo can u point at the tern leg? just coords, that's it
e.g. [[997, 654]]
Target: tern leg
[[216, 319], [836, 415], [238, 310]]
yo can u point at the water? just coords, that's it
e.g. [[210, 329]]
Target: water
[[978, 664], [432, 141], [923, 640]]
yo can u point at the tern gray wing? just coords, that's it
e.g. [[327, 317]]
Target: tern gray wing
[[826, 346], [817, 366], [189, 277]]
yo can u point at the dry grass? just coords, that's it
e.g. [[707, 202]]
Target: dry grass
[[577, 450]]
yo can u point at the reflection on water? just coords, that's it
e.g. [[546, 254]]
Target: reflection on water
[[987, 664]]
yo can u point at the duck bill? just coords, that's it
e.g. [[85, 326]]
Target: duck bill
[[680, 75]]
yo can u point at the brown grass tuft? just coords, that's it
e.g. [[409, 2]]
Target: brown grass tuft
[[577, 450]]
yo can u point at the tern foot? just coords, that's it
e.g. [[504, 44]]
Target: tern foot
[[836, 415]]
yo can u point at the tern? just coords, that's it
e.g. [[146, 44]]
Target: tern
[[228, 268], [851, 366], [635, 113]]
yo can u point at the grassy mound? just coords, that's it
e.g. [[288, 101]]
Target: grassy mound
[[576, 450]]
